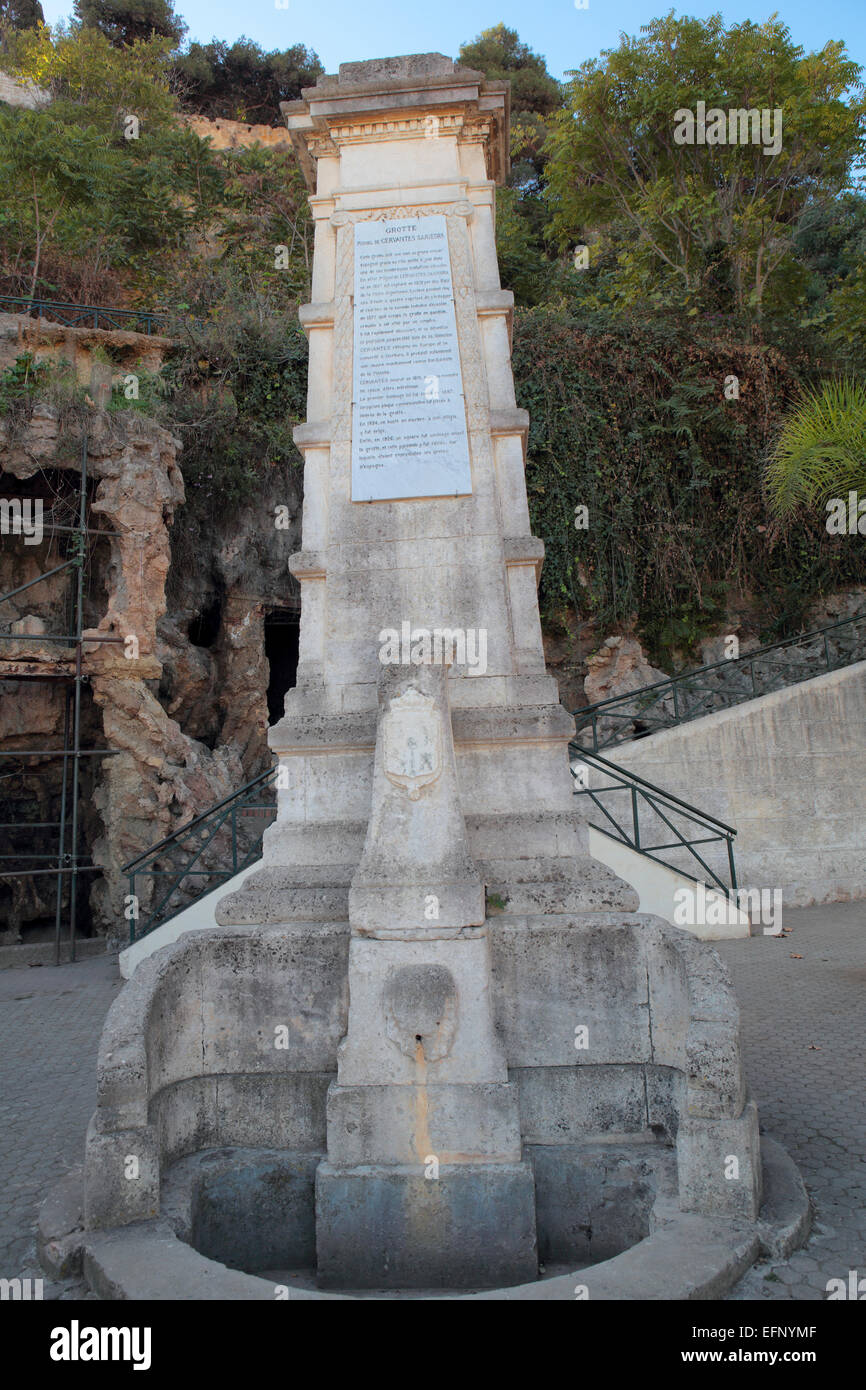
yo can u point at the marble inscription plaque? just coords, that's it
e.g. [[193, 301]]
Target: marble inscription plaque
[[408, 415]]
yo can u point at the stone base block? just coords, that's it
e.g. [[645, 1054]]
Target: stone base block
[[396, 910], [595, 1200], [405, 1124], [255, 1211], [472, 1227], [720, 1164], [122, 1177], [420, 1013]]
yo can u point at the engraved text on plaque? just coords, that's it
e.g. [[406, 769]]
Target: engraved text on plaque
[[408, 416]]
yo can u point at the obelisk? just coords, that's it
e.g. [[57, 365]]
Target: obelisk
[[423, 752]]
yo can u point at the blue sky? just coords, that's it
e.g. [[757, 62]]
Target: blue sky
[[344, 30]]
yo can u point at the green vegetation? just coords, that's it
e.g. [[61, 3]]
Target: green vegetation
[[125, 22], [22, 382], [240, 81], [20, 14], [631, 421], [234, 395], [89, 214], [705, 262], [821, 449], [703, 227]]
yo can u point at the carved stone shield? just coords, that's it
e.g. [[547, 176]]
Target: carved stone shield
[[412, 743]]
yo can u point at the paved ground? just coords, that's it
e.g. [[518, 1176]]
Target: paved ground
[[803, 1002], [50, 1021], [804, 1027]]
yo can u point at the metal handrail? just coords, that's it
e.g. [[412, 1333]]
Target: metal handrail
[[641, 792], [641, 700], [240, 802], [262, 778], [616, 771], [212, 821], [71, 315]]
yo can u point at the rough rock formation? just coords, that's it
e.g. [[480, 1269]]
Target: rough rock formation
[[618, 667], [185, 711], [56, 342], [231, 135]]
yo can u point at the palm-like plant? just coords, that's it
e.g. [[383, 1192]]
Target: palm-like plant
[[821, 451]]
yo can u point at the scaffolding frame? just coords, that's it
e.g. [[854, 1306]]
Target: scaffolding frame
[[69, 860]]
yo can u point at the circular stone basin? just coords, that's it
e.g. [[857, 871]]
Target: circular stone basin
[[254, 1209]]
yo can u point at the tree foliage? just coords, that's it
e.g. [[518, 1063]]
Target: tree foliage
[[499, 53], [629, 419], [89, 214], [821, 448], [240, 81], [20, 14], [521, 211], [235, 393], [125, 22], [102, 83], [708, 225]]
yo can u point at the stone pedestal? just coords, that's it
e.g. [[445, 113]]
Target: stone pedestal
[[394, 1228], [425, 1183]]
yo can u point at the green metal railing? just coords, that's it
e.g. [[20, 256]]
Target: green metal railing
[[86, 315], [209, 850], [227, 838], [658, 806], [720, 685]]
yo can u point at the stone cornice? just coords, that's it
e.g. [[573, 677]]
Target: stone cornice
[[397, 102], [299, 733], [525, 550]]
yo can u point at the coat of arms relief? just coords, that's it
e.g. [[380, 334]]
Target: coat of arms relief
[[412, 742]]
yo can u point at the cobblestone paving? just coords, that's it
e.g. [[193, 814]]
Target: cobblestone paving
[[804, 1032], [804, 1028], [50, 1021]]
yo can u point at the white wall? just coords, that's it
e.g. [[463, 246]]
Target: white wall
[[199, 914], [788, 771], [657, 883]]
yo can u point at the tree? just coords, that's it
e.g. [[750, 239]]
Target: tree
[[848, 314], [710, 220], [535, 95], [20, 14], [831, 244], [521, 212], [499, 53], [240, 81], [88, 213], [47, 167], [523, 267], [266, 231], [821, 450], [96, 205], [102, 83], [124, 22]]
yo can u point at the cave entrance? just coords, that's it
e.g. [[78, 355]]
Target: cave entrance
[[281, 650], [204, 628]]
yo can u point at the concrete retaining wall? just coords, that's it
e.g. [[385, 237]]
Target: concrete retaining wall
[[658, 885], [788, 771], [196, 917]]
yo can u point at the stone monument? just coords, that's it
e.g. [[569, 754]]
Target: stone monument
[[416, 521], [490, 1059]]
